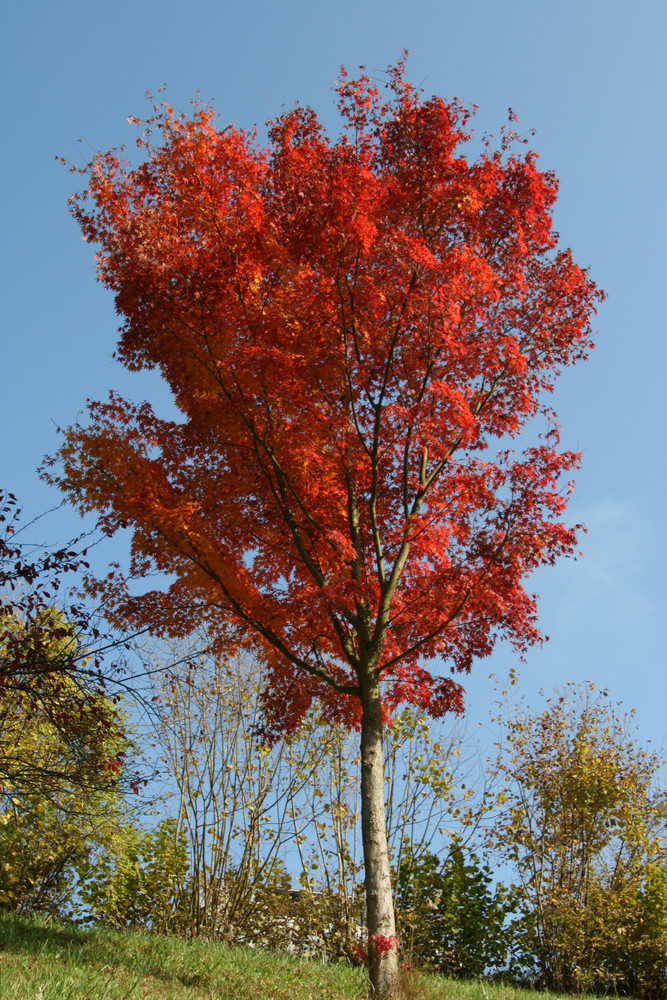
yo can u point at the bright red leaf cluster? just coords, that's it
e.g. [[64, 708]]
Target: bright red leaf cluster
[[354, 330]]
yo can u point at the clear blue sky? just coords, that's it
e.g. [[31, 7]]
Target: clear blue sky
[[589, 75]]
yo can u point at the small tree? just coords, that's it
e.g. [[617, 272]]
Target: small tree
[[347, 327], [59, 724], [232, 791], [63, 746], [47, 842], [240, 804], [61, 753], [583, 825], [141, 878], [451, 917]]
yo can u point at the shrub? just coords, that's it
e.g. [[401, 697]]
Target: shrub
[[450, 917], [139, 880], [583, 826]]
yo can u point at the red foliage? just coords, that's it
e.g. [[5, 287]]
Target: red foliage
[[382, 943], [347, 326]]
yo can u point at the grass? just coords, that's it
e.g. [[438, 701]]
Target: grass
[[44, 960], [41, 959]]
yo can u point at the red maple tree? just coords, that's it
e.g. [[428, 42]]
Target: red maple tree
[[355, 333]]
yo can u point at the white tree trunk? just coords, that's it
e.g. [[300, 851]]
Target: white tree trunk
[[382, 941]]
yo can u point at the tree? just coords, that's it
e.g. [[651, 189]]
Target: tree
[[53, 815], [62, 750], [241, 803], [140, 879], [234, 791], [346, 327], [56, 729], [53, 675], [583, 826], [452, 919]]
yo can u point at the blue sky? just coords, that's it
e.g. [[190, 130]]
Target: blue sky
[[588, 75]]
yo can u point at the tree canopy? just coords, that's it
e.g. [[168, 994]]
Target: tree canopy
[[347, 328]]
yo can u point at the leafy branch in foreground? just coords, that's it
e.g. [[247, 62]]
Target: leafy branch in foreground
[[61, 722]]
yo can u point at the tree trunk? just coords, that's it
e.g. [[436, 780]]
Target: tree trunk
[[382, 941]]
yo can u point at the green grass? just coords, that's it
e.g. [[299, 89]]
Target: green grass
[[44, 960]]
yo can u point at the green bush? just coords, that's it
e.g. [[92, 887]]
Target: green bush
[[450, 917], [40, 847], [634, 953], [140, 879], [583, 825], [61, 771]]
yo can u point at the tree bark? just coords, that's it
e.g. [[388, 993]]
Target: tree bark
[[382, 941]]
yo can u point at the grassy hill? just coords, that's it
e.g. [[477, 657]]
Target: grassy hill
[[44, 960]]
